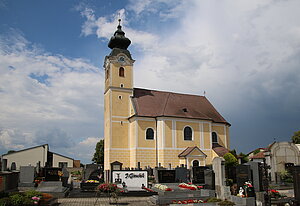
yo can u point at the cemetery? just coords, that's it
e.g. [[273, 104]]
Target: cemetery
[[172, 148]]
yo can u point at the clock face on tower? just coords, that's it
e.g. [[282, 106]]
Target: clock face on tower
[[121, 59]]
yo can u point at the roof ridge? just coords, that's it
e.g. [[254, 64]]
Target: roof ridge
[[170, 92]]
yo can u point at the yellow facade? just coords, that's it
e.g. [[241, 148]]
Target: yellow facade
[[125, 137]]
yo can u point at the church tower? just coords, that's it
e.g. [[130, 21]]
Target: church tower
[[118, 67]]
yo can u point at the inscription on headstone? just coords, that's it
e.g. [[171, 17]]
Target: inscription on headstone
[[243, 174], [166, 176], [198, 175]]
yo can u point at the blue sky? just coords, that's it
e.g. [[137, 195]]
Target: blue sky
[[244, 54]]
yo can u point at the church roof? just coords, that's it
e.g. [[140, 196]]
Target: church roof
[[151, 103], [219, 149]]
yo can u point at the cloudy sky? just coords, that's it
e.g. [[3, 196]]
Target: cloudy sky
[[245, 55]]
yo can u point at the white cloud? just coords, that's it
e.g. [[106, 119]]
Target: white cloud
[[83, 150], [57, 100], [104, 27]]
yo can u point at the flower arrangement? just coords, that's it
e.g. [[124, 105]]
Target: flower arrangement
[[189, 186], [36, 200], [190, 201], [112, 190], [162, 187], [92, 181], [109, 188], [274, 193]]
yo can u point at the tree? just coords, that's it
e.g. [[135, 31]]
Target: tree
[[244, 158], [296, 137], [99, 153], [10, 151], [230, 159], [233, 152]]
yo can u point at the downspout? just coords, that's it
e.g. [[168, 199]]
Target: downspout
[[156, 145]]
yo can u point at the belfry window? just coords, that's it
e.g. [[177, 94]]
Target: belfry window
[[188, 133], [149, 133], [107, 73], [121, 72], [214, 137]]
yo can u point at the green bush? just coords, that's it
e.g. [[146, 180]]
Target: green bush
[[226, 203], [31, 193], [5, 201], [213, 199], [17, 199]]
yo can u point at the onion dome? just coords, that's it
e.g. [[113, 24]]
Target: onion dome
[[118, 40]]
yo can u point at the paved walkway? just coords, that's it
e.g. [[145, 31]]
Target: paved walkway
[[134, 201]]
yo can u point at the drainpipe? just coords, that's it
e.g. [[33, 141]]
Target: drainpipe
[[156, 145]]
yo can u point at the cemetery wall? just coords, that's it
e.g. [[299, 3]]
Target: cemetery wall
[[9, 181]]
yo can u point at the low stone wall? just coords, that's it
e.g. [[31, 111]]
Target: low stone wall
[[9, 181]]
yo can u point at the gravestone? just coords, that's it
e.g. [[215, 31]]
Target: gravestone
[[166, 176], [13, 166], [181, 174], [27, 174], [296, 177], [256, 169], [52, 174], [116, 165], [209, 179], [219, 170], [4, 165], [198, 175], [243, 174], [89, 169], [155, 173]]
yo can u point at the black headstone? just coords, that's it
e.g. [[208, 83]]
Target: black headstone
[[181, 174], [297, 183], [243, 174], [166, 176], [198, 175], [209, 179], [52, 174]]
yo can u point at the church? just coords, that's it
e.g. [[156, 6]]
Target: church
[[144, 127]]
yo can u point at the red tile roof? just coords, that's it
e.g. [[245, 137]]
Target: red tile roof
[[259, 155], [220, 150], [151, 103]]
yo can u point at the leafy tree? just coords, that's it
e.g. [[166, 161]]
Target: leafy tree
[[244, 158], [230, 159], [296, 137], [233, 152], [256, 151], [99, 153], [10, 151]]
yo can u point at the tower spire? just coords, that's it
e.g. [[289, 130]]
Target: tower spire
[[118, 40]]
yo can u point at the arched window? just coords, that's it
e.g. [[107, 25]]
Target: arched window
[[195, 163], [121, 72], [214, 137], [149, 133], [188, 133]]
